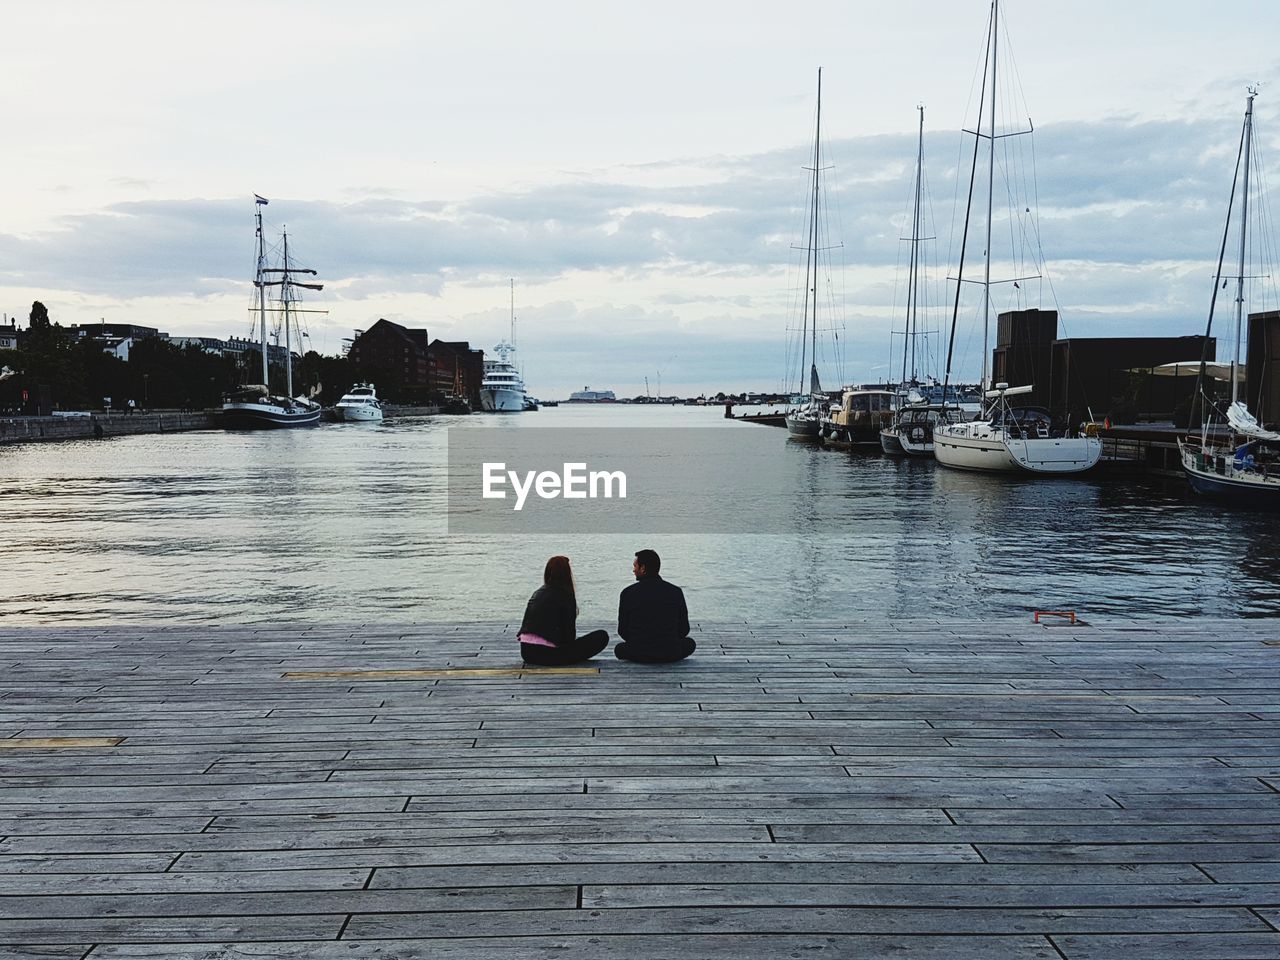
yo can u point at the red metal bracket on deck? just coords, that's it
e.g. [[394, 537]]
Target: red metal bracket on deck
[[1069, 615]]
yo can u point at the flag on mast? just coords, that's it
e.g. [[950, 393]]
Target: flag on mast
[[261, 200]]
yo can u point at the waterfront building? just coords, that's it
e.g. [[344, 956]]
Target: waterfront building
[[396, 358], [1262, 367], [1112, 377], [1073, 376], [456, 368], [112, 331], [237, 346]]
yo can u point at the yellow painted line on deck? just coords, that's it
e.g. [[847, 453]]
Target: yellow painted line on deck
[[441, 674], [58, 743]]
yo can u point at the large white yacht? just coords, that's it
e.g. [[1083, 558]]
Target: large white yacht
[[359, 404], [503, 389]]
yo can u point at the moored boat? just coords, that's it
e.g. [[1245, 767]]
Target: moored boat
[[860, 417], [1005, 439], [360, 404], [254, 407], [502, 389], [1244, 470], [805, 421]]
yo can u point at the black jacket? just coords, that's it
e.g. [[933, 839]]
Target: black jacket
[[552, 614], [652, 613]]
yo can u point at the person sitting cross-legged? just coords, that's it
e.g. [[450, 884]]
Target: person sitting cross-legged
[[548, 632], [653, 620]]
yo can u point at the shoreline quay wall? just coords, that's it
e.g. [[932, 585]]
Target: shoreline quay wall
[[39, 429]]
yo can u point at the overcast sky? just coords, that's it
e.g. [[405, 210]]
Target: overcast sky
[[637, 168]]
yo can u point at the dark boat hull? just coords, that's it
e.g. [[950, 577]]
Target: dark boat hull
[[262, 417], [1237, 492]]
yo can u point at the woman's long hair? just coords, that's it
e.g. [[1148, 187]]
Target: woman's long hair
[[559, 574]]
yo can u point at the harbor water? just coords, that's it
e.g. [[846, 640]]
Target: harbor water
[[347, 523]]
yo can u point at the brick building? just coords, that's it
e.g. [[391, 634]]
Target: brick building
[[408, 367], [457, 369], [395, 358]]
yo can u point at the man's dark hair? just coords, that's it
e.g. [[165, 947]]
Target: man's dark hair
[[650, 560]]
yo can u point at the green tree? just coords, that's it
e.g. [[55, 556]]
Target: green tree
[[39, 317]]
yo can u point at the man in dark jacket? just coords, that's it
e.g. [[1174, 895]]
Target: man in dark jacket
[[653, 620]]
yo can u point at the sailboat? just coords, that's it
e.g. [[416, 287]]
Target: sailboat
[[1245, 468], [910, 431], [1005, 438], [805, 421], [254, 407]]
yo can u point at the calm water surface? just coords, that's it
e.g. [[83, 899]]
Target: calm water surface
[[346, 523]]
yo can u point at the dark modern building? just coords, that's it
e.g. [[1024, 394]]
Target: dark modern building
[[1078, 376], [1262, 367], [112, 331], [1112, 378], [457, 369]]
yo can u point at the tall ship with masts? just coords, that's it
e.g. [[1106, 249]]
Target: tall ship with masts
[[502, 390], [254, 406]]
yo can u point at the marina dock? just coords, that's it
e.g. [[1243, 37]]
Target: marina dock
[[910, 789]]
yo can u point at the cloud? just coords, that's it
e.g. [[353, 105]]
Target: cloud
[[1130, 217]]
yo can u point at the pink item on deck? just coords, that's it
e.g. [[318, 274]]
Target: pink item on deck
[[535, 640]]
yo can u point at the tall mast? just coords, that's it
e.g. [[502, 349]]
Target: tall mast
[[513, 312], [991, 180], [913, 273], [285, 295], [817, 166], [1244, 225], [262, 298]]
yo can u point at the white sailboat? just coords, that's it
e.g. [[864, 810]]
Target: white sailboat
[[1004, 439], [805, 421], [254, 407], [1244, 466], [910, 432]]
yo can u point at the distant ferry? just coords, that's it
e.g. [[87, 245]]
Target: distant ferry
[[587, 395]]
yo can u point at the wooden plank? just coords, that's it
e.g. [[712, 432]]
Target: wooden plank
[[917, 789], [446, 673], [58, 743], [570, 947]]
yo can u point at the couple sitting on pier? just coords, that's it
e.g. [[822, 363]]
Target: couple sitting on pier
[[653, 620]]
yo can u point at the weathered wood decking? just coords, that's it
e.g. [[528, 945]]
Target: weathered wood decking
[[913, 790]]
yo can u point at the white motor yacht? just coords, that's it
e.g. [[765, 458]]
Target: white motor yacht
[[360, 405], [503, 389]]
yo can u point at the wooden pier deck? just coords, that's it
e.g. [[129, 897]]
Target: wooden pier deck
[[923, 789]]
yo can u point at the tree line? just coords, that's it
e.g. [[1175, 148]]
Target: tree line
[[53, 370]]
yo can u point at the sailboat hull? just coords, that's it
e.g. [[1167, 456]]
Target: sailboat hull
[[1237, 487], [267, 416], [996, 453], [890, 442], [803, 428], [984, 454]]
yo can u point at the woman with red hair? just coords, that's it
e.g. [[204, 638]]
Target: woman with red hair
[[548, 632]]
